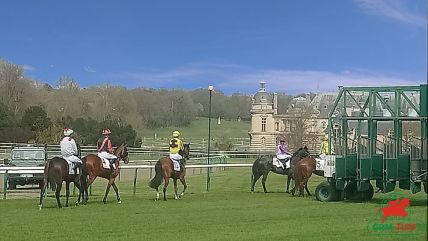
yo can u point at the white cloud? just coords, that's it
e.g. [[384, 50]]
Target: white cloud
[[28, 67], [294, 81], [235, 78], [89, 69], [395, 9]]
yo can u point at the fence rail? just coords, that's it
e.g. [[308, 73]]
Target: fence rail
[[6, 170]]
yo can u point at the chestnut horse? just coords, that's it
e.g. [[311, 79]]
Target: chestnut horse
[[303, 170], [165, 169], [93, 168], [56, 172]]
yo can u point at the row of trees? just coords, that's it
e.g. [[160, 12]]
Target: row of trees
[[137, 108], [36, 126]]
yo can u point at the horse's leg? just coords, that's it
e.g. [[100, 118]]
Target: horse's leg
[[254, 178], [307, 190], [288, 184], [110, 182], [165, 185], [42, 193], [79, 186], [117, 192], [67, 192], [157, 194], [175, 189], [265, 175], [57, 192], [90, 180], [183, 181]]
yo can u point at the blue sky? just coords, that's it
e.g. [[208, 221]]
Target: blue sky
[[295, 46]]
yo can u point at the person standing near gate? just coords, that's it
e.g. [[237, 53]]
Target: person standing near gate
[[175, 146], [105, 147], [69, 149], [324, 147]]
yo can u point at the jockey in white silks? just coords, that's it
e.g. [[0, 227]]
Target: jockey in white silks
[[105, 147], [69, 149]]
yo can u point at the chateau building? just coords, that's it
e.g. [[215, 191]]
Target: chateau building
[[303, 123]]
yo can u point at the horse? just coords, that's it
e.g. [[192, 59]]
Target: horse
[[56, 172], [93, 168], [263, 165], [164, 169], [303, 170]]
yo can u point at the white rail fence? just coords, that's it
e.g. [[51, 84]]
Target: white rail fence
[[6, 170]]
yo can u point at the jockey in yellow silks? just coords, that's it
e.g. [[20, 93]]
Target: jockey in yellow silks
[[175, 146]]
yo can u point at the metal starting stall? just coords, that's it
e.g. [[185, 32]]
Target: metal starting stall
[[377, 135]]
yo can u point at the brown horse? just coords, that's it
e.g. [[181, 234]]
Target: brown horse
[[93, 168], [303, 170], [56, 172], [164, 169]]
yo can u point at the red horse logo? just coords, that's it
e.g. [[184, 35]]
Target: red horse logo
[[395, 208]]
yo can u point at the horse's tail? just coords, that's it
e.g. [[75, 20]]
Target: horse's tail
[[49, 176], [157, 179], [45, 175], [84, 176]]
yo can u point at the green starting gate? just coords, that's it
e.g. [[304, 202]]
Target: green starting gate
[[377, 135]]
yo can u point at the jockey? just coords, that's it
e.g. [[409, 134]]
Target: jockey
[[175, 145], [105, 147], [324, 147], [69, 149], [281, 151]]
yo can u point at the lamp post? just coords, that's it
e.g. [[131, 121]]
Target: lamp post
[[210, 89]]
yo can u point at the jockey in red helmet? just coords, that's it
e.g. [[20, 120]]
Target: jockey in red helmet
[[105, 147]]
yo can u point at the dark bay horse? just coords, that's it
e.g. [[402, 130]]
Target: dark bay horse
[[303, 170], [56, 172], [164, 169], [93, 168], [263, 165]]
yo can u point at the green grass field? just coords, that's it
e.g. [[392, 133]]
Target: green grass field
[[228, 212]]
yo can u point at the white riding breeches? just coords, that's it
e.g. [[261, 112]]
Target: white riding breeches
[[283, 156], [106, 155], [175, 156], [73, 159]]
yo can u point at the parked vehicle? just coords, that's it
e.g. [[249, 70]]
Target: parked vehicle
[[26, 156]]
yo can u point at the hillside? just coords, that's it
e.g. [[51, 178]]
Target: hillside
[[198, 129]]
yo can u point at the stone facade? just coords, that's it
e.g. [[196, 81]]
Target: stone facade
[[304, 122]]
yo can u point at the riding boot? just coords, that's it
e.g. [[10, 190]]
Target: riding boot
[[111, 164], [181, 162]]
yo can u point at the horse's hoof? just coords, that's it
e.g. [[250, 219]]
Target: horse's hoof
[[40, 207], [119, 202], [104, 201], [287, 192]]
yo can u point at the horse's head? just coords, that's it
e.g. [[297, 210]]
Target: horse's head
[[122, 153], [185, 152], [301, 153]]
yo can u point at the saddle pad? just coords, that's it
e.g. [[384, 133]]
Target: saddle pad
[[71, 168], [277, 162], [106, 163], [176, 165]]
